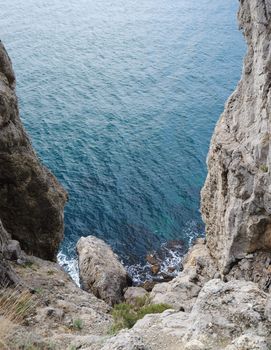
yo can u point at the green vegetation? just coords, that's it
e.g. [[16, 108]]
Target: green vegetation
[[126, 315], [264, 168], [78, 324]]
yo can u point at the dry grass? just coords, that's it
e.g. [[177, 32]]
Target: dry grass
[[15, 305]]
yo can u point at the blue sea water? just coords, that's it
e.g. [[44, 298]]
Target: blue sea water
[[120, 99]]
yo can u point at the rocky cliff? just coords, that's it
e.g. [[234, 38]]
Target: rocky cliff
[[31, 199], [236, 198], [220, 300]]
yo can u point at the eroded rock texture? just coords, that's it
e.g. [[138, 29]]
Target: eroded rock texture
[[236, 198], [101, 271], [31, 199]]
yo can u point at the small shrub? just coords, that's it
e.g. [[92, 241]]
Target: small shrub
[[78, 324], [126, 315], [264, 168]]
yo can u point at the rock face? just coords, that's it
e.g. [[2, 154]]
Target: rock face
[[181, 293], [100, 270], [224, 316], [31, 199], [236, 198], [7, 275]]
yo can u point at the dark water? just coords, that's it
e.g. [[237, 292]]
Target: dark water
[[120, 99]]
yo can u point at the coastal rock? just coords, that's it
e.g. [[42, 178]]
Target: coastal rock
[[31, 199], [224, 316], [7, 275], [182, 291], [132, 294], [62, 316], [236, 198], [249, 342], [100, 270]]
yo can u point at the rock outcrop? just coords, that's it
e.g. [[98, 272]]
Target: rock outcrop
[[182, 291], [100, 270], [221, 299], [31, 199], [7, 275], [236, 198], [224, 316]]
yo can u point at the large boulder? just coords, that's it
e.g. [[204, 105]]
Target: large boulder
[[100, 270], [31, 199]]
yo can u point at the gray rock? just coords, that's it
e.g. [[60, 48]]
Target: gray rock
[[100, 270], [13, 250], [132, 294], [236, 198], [182, 291], [125, 341]]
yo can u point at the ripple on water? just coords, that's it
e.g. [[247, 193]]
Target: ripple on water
[[120, 99]]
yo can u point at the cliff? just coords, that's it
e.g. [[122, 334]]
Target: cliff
[[221, 299], [31, 199], [236, 198]]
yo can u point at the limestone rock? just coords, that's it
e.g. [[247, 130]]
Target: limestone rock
[[133, 293], [182, 291], [225, 316], [125, 341], [100, 270], [236, 198], [58, 304], [31, 200], [249, 342]]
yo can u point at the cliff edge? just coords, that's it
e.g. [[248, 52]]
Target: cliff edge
[[236, 198], [31, 199], [221, 299]]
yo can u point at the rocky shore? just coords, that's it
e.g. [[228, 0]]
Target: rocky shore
[[222, 297]]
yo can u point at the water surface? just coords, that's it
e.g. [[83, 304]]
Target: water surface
[[120, 99]]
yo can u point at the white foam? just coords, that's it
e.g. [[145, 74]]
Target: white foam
[[70, 266]]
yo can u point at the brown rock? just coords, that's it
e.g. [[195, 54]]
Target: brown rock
[[151, 259], [155, 269], [31, 199]]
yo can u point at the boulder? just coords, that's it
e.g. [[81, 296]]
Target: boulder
[[132, 294], [101, 271]]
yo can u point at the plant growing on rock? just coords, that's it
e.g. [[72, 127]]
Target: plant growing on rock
[[264, 168], [78, 324], [125, 315]]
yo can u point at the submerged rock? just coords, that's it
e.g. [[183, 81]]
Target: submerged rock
[[101, 271], [31, 199]]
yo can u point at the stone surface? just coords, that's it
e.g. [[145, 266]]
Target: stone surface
[[31, 200], [7, 275], [132, 294], [58, 305], [100, 270], [254, 267], [225, 316], [182, 291], [236, 198]]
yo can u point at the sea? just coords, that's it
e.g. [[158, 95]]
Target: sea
[[120, 99]]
